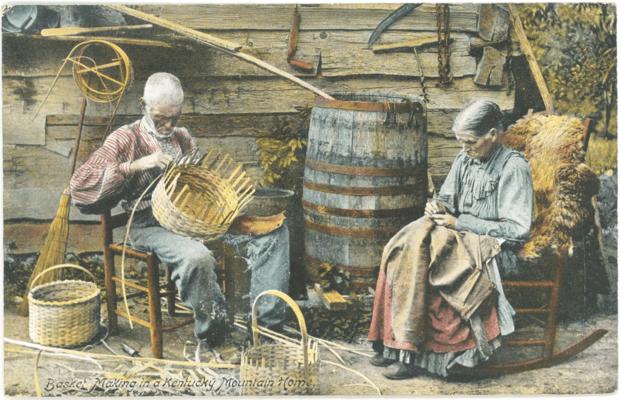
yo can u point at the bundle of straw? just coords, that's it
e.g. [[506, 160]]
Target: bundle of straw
[[53, 250]]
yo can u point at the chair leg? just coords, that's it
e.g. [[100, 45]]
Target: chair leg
[[110, 288], [171, 289], [155, 321], [551, 328]]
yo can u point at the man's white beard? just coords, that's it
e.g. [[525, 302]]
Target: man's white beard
[[151, 125]]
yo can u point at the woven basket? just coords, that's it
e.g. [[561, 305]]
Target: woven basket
[[280, 369], [202, 200], [64, 313]]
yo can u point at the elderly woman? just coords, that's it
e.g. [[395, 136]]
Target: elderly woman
[[439, 300]]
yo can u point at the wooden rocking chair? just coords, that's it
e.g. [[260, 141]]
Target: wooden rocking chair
[[554, 264]]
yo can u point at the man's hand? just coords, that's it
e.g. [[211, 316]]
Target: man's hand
[[158, 159], [434, 207]]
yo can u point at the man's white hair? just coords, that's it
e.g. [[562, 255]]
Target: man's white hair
[[163, 88]]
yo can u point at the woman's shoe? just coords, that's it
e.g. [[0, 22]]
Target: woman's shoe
[[379, 361], [399, 371]]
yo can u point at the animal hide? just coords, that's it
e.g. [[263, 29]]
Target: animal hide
[[563, 183]]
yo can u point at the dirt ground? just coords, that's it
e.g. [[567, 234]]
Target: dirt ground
[[592, 371]]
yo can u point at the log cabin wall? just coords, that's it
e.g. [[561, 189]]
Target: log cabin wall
[[228, 102]]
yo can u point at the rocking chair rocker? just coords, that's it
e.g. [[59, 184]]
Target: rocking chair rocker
[[555, 263]]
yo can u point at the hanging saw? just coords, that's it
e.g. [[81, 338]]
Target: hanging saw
[[397, 14]]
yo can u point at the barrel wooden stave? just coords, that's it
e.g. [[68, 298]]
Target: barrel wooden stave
[[365, 178]]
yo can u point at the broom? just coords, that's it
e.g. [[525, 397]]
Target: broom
[[53, 250]]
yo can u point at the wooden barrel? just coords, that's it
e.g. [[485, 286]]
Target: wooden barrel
[[365, 178]]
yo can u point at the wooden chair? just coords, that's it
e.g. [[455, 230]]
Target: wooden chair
[[553, 266], [153, 289]]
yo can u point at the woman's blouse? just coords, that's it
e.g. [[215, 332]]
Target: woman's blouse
[[492, 197]]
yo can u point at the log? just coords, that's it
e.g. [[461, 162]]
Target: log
[[39, 175], [463, 17], [29, 235], [28, 58], [200, 125], [218, 96], [491, 68], [219, 44]]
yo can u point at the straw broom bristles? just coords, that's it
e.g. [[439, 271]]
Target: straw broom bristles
[[53, 250]]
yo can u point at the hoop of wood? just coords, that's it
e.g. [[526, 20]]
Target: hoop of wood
[[202, 200], [101, 70]]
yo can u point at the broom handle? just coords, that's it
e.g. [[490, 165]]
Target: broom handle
[[76, 148]]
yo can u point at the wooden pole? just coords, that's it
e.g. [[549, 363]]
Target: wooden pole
[[220, 44], [529, 54], [78, 30]]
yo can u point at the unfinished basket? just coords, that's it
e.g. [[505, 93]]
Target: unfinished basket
[[280, 369], [202, 200], [64, 313]]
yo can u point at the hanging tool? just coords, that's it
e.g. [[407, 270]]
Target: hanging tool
[[102, 71], [292, 45], [225, 46], [397, 14]]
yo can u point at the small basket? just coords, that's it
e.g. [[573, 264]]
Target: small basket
[[64, 313], [202, 200], [280, 369]]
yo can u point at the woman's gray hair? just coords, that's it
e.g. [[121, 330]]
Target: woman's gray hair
[[479, 117], [163, 88]]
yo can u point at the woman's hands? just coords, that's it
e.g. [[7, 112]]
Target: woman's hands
[[434, 207], [439, 214], [447, 220]]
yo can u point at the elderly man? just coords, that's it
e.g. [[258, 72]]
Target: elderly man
[[129, 160]]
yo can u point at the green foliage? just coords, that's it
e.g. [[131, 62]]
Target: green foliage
[[575, 45], [602, 154], [282, 152]]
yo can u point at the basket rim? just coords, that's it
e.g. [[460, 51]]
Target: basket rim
[[83, 299]]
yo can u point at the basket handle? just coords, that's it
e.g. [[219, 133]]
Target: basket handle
[[61, 266], [300, 320]]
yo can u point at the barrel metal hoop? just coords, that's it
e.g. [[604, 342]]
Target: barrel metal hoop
[[360, 171], [369, 233], [362, 191], [372, 106], [357, 271], [343, 212]]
